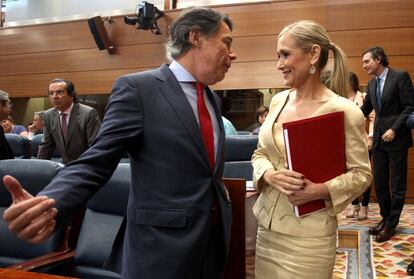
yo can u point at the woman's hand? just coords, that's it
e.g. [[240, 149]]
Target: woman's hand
[[311, 191], [285, 181]]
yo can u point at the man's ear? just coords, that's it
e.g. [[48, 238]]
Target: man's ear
[[194, 37], [377, 60], [315, 53]]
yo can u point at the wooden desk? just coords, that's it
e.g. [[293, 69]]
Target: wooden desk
[[236, 262], [18, 274]]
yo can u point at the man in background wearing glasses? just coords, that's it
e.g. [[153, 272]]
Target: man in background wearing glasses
[[5, 110], [69, 126]]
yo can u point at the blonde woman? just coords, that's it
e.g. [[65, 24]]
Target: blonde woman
[[289, 246]]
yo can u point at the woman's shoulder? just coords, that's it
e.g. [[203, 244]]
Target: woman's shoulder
[[343, 102], [281, 96], [347, 106]]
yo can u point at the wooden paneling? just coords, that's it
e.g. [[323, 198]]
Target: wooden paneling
[[370, 15], [73, 35], [249, 49], [134, 56], [397, 41], [248, 75], [396, 62], [88, 82]]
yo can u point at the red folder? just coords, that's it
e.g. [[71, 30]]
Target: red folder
[[315, 147]]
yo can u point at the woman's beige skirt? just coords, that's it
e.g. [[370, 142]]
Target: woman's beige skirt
[[285, 256]]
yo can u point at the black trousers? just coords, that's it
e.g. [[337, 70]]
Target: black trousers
[[212, 266], [390, 174]]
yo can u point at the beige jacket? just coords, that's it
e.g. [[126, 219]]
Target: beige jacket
[[273, 209]]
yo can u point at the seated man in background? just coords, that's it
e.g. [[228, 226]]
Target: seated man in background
[[10, 127], [37, 125], [5, 109], [69, 126]]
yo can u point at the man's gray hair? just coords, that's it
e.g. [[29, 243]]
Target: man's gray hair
[[207, 21], [4, 97]]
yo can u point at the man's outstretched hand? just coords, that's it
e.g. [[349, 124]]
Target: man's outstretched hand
[[31, 218]]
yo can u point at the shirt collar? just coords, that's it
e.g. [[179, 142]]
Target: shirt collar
[[180, 73], [384, 73], [68, 110]]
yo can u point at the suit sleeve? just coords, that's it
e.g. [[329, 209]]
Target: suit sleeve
[[261, 160], [357, 178], [121, 126], [92, 126], [367, 105], [406, 95], [47, 145], [261, 163]]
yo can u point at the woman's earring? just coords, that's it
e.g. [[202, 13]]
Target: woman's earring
[[312, 70]]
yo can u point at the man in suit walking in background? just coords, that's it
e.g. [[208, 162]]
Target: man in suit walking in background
[[69, 126], [5, 110], [178, 218], [390, 93]]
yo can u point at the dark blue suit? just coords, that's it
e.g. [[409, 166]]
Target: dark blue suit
[[390, 158], [167, 231]]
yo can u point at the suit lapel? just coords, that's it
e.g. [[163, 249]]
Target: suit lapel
[[387, 84], [267, 127], [175, 96], [217, 110]]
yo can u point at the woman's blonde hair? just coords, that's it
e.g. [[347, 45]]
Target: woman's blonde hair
[[307, 33]]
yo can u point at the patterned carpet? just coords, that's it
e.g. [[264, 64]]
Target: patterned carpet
[[378, 260], [373, 260]]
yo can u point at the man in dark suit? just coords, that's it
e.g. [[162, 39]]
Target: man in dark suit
[[178, 218], [5, 109], [69, 127], [391, 95]]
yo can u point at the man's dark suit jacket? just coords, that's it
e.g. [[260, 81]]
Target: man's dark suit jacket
[[167, 226], [397, 102], [5, 150], [83, 127]]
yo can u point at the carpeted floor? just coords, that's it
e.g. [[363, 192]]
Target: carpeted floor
[[373, 260], [382, 260]]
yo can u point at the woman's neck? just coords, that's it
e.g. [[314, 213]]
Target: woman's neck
[[314, 92]]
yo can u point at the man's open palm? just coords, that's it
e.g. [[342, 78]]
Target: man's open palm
[[31, 218]]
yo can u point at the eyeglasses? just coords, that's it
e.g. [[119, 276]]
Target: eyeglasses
[[59, 93]]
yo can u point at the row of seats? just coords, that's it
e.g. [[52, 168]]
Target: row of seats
[[23, 148], [97, 230], [239, 150], [96, 233]]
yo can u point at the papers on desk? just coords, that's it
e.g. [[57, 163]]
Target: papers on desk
[[249, 186], [315, 147]]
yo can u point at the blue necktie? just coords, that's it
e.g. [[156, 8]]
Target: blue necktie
[[378, 92]]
